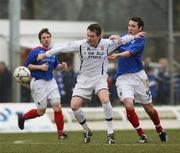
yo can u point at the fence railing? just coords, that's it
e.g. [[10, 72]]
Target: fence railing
[[96, 114]]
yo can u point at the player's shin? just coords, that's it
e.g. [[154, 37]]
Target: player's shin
[[156, 120], [108, 114], [59, 120], [33, 113], [81, 119], [134, 120]]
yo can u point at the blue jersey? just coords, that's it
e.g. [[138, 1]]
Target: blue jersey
[[52, 62], [133, 63]]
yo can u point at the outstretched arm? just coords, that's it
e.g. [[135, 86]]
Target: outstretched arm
[[127, 38], [116, 55], [63, 48], [118, 41], [43, 67]]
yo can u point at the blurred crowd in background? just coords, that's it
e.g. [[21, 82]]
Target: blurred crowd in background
[[158, 74], [113, 18]]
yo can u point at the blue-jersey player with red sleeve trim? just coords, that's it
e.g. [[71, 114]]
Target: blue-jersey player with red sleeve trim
[[52, 62], [44, 89], [132, 81], [133, 63]]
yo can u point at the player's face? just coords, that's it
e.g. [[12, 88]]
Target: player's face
[[92, 38], [133, 28], [45, 40]]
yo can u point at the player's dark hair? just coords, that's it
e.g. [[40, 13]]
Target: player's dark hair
[[96, 28], [44, 30], [139, 21]]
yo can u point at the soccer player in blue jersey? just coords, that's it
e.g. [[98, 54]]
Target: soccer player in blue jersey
[[132, 82], [44, 88]]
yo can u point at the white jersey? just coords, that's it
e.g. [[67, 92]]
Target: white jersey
[[94, 61]]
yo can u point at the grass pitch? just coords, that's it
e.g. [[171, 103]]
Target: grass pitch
[[126, 142]]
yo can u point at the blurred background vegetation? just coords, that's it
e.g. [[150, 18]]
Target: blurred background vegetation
[[112, 15]]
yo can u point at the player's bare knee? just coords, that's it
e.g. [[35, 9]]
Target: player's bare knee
[[104, 101], [74, 106], [76, 103], [128, 103], [41, 112], [57, 107]]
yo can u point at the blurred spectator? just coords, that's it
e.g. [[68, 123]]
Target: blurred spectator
[[66, 81], [153, 84], [162, 75], [5, 83], [147, 61], [177, 91], [26, 94]]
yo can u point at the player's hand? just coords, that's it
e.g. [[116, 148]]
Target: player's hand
[[41, 57], [114, 37], [113, 56], [142, 33], [63, 66], [44, 67]]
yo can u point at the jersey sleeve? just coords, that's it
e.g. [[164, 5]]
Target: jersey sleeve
[[137, 46], [116, 43], [56, 62], [65, 48], [31, 57]]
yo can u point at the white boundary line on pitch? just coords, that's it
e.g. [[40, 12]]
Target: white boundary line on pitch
[[119, 144]]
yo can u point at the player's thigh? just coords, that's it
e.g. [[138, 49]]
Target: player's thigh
[[54, 99], [83, 90], [100, 83], [125, 91], [101, 88], [39, 93], [103, 96], [143, 94]]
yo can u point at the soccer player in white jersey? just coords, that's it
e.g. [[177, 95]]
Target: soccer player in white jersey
[[93, 53], [132, 82]]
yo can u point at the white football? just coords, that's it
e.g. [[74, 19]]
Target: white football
[[22, 74]]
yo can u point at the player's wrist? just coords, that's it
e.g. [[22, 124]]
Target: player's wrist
[[46, 54], [40, 67], [132, 37]]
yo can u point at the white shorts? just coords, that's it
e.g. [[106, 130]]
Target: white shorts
[[135, 86], [44, 92], [86, 85]]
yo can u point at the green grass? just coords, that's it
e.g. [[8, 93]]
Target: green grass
[[126, 142]]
